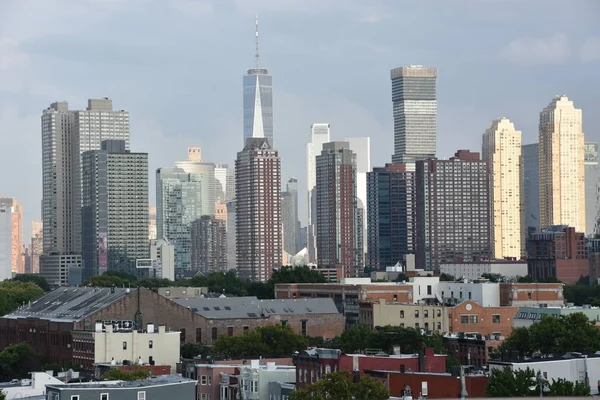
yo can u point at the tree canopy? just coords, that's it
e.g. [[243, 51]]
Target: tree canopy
[[508, 382], [341, 386], [192, 350], [267, 341], [17, 361], [360, 337], [567, 333], [35, 278], [15, 293], [115, 374]]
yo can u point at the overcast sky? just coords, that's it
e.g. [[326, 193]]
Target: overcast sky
[[177, 66]]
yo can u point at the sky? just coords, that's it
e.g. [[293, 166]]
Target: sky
[[177, 67]]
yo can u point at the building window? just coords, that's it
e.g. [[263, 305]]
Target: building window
[[254, 386], [327, 369], [246, 327], [528, 295], [439, 313], [198, 335], [124, 345], [209, 378], [416, 313], [230, 331], [425, 313], [203, 396], [401, 313], [304, 327], [283, 322], [429, 290], [203, 380], [402, 325], [104, 396], [395, 297], [473, 319], [439, 326], [469, 295], [167, 293], [76, 397], [417, 325], [426, 326], [496, 318], [215, 334], [461, 294], [464, 319], [182, 335], [150, 344]]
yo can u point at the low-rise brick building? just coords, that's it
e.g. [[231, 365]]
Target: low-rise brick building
[[472, 349], [532, 294], [470, 317]]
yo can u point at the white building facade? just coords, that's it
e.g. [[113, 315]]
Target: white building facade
[[475, 270]]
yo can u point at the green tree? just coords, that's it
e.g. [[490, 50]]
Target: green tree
[[105, 281], [115, 374], [267, 341], [341, 386], [564, 388], [510, 383], [17, 360], [494, 278], [519, 341], [356, 339], [2, 395], [525, 279], [37, 279], [447, 278], [154, 283], [191, 350], [14, 294]]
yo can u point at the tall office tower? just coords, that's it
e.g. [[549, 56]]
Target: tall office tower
[[206, 176], [258, 101], [258, 210], [231, 235], [452, 210], [361, 146], [338, 234], [152, 223], [289, 217], [319, 135], [209, 245], [391, 215], [115, 208], [562, 174], [37, 246], [178, 203], [12, 207], [531, 187], [225, 183], [66, 135], [501, 148], [415, 113], [592, 189]]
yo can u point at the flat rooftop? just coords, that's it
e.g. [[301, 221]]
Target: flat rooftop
[[155, 381]]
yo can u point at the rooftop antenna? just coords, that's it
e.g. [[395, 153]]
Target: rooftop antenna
[[257, 56]]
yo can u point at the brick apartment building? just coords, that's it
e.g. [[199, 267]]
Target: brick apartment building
[[532, 294], [470, 317], [472, 349], [47, 323]]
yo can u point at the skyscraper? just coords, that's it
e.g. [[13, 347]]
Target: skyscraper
[[225, 183], [289, 217], [531, 186], [258, 101], [361, 146], [115, 209], [178, 203], [415, 113], [319, 135], [66, 135], [339, 236], [13, 209], [391, 215], [452, 210], [592, 189], [206, 176], [258, 210], [37, 247], [209, 245], [501, 148], [562, 176]]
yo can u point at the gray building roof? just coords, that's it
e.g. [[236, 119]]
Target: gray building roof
[[155, 381], [70, 304], [252, 307]]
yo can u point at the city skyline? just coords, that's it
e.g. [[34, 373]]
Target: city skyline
[[501, 63]]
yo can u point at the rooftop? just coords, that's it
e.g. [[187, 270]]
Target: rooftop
[[155, 381], [252, 307], [70, 304]]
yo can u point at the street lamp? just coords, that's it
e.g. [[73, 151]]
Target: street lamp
[[541, 382]]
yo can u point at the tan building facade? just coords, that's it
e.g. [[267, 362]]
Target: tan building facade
[[14, 220], [561, 161], [427, 317], [501, 148]]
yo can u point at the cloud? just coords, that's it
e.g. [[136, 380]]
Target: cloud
[[590, 51], [193, 8], [529, 51]]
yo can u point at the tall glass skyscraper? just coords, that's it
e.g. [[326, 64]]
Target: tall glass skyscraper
[[415, 113], [258, 101]]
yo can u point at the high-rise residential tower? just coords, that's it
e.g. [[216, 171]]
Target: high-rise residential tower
[[289, 217], [452, 210], [531, 186], [258, 210], [391, 215], [415, 113], [209, 244], [339, 234], [258, 100], [178, 203], [562, 176], [501, 148], [320, 134], [592, 189], [12, 209], [206, 176], [115, 209]]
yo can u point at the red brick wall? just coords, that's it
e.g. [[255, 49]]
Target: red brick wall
[[485, 324], [570, 270], [540, 293], [438, 386], [433, 363]]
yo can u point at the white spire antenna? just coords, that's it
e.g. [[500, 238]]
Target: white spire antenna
[[256, 39]]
